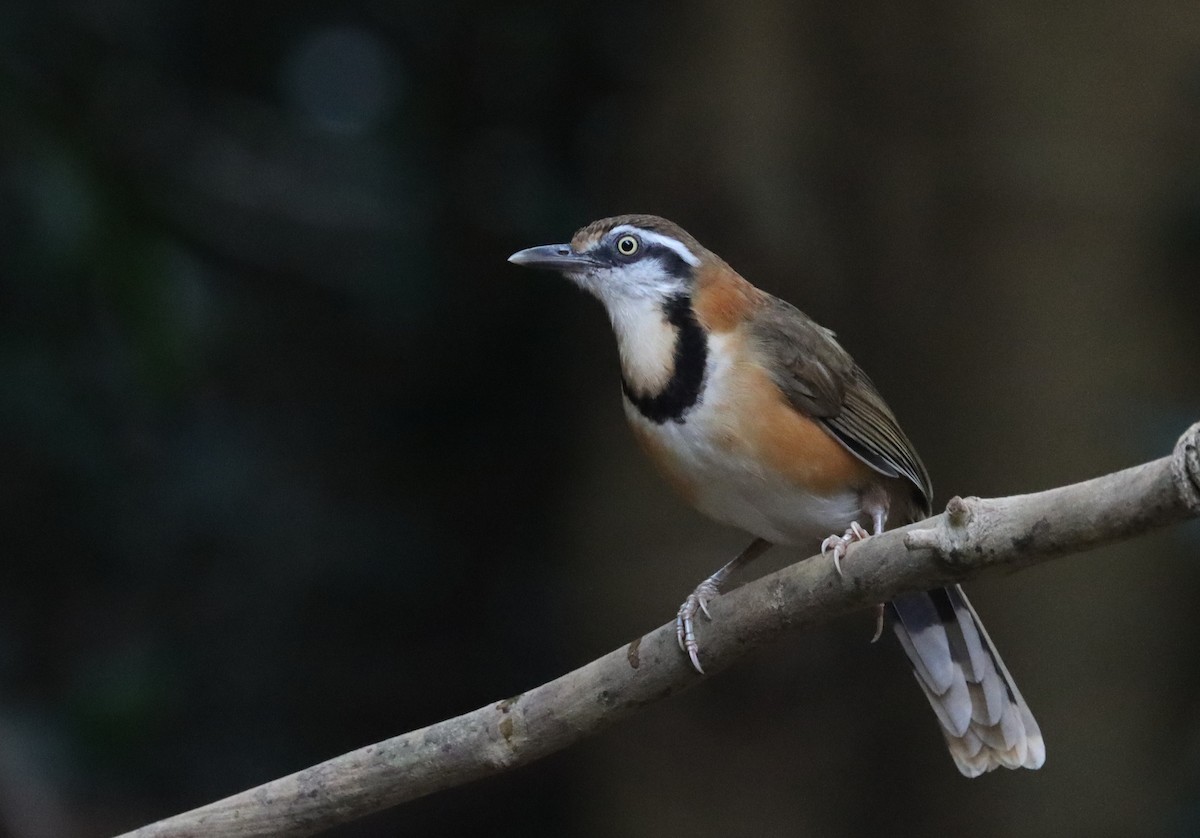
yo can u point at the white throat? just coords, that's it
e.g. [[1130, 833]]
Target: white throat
[[634, 296], [645, 340]]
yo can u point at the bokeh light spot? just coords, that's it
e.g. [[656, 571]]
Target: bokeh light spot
[[341, 79]]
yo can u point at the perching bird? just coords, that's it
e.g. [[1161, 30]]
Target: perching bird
[[762, 421]]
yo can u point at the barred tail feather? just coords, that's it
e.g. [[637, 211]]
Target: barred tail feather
[[986, 722]]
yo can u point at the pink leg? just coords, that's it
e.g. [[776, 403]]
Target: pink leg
[[685, 621], [875, 504], [837, 544]]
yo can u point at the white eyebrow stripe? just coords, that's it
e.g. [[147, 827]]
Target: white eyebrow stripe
[[657, 238]]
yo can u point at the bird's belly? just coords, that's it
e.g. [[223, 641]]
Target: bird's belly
[[721, 476], [775, 510]]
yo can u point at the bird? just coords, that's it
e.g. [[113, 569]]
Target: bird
[[760, 419]]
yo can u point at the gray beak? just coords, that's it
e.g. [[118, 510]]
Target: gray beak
[[553, 257]]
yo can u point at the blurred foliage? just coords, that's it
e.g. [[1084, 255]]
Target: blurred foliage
[[293, 461]]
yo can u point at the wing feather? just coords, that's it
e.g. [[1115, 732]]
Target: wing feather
[[820, 379]]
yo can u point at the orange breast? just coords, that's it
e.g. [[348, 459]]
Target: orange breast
[[747, 425], [768, 430], [743, 425], [762, 424]]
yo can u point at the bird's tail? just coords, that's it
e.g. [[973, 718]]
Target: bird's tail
[[985, 720]]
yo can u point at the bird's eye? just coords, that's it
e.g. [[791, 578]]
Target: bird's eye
[[628, 245]]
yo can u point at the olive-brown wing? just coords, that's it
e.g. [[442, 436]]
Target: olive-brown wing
[[820, 379]]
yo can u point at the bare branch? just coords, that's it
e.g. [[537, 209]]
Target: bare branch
[[972, 537]]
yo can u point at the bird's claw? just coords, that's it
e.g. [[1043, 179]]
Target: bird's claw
[[685, 621], [878, 623], [837, 544]]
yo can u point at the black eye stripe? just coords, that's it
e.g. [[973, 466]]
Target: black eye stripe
[[672, 262]]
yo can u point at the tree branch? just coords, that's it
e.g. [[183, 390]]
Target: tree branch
[[972, 537]]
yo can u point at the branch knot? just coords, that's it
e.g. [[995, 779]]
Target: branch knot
[[1185, 468], [958, 513], [948, 538]]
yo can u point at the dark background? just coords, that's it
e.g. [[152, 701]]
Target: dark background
[[293, 461]]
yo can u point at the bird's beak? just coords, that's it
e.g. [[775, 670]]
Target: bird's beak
[[553, 257]]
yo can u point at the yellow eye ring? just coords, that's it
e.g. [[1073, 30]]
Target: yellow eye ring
[[628, 245]]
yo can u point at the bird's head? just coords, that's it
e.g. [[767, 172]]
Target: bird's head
[[625, 259]]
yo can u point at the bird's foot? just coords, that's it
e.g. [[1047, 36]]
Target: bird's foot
[[685, 621], [837, 544]]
